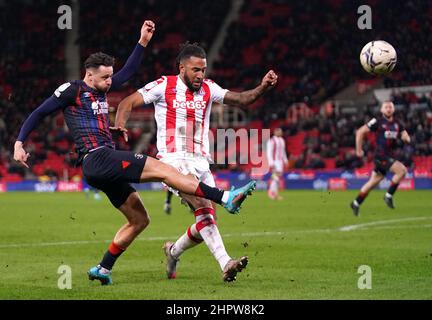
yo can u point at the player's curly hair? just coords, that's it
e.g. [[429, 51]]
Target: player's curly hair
[[188, 50], [99, 59]]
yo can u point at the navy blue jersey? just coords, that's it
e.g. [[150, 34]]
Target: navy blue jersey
[[86, 114], [387, 133], [85, 109]]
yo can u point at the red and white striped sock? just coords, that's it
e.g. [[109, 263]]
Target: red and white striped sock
[[274, 186], [188, 240], [206, 226]]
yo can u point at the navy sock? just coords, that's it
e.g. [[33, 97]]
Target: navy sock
[[393, 187], [213, 194], [110, 257], [361, 196]]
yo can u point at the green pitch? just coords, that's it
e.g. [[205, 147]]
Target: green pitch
[[308, 246]]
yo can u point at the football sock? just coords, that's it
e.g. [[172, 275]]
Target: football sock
[[360, 198], [392, 189], [114, 251], [210, 193], [206, 226], [188, 240], [168, 197], [274, 186]]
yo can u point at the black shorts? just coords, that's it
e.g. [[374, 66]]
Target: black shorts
[[112, 171], [383, 164]]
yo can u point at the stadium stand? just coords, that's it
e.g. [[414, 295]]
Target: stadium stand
[[265, 35]]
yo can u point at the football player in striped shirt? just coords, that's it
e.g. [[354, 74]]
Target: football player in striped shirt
[[182, 111], [387, 131]]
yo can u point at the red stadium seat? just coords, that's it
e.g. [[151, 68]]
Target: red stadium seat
[[330, 163]]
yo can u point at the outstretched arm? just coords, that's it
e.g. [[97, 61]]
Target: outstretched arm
[[405, 137], [247, 97], [63, 96], [49, 106], [359, 139], [270, 153], [133, 62]]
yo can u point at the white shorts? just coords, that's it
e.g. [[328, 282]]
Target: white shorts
[[278, 166], [190, 164]]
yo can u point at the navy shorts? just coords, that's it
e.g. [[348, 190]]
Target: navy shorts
[[112, 171], [383, 164]]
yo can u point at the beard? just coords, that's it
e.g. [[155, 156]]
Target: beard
[[388, 116], [189, 84], [104, 90]]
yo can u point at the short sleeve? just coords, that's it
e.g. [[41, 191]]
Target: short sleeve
[[372, 124], [153, 91], [217, 93]]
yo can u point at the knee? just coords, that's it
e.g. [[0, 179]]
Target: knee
[[141, 223], [402, 171], [201, 203]]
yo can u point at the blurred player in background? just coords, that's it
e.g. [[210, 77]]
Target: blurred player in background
[[167, 203], [96, 194], [277, 159], [182, 111], [387, 131], [85, 107]]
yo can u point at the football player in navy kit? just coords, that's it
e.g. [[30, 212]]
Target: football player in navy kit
[[387, 131], [85, 107]]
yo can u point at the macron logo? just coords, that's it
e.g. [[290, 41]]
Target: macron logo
[[197, 105]]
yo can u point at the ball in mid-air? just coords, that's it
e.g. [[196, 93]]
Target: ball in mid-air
[[378, 57]]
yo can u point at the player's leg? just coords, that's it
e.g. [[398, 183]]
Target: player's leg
[[373, 181], [275, 180], [277, 184], [127, 201], [155, 170], [137, 220], [167, 203], [399, 171], [96, 194], [273, 186], [205, 228]]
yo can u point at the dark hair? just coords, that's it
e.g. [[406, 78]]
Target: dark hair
[[188, 50], [99, 59]]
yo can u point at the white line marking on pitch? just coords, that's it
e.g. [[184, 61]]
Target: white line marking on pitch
[[243, 234], [375, 223]]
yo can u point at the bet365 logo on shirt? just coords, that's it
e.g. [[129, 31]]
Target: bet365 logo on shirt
[[197, 105]]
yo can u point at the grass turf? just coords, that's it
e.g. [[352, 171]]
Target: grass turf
[[296, 248]]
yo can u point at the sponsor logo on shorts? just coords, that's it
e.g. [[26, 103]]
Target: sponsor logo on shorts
[[139, 156]]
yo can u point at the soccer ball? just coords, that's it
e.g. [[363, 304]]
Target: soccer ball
[[378, 57]]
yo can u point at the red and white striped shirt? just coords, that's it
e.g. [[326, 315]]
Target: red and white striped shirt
[[182, 116], [276, 150]]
